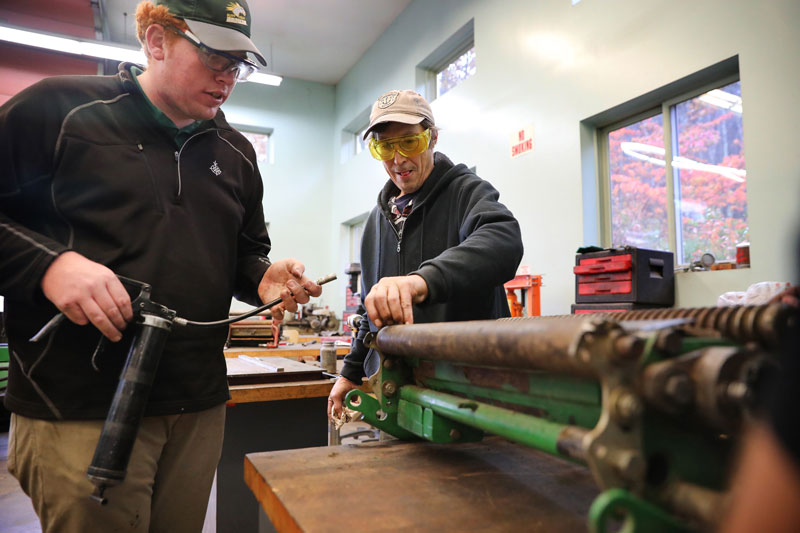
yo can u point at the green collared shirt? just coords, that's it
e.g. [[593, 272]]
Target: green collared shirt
[[179, 135]]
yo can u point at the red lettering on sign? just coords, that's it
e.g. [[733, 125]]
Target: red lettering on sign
[[521, 148], [521, 135]]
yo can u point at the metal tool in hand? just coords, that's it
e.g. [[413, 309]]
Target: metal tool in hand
[[153, 323]]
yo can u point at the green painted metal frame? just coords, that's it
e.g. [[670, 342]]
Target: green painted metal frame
[[636, 515], [4, 362], [525, 429], [569, 406]]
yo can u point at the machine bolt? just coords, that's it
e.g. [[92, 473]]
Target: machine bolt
[[389, 388], [601, 452], [678, 388], [669, 341], [628, 347], [629, 465], [388, 364], [455, 434], [738, 391], [627, 407], [369, 340]]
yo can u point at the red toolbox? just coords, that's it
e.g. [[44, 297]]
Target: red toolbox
[[582, 309], [628, 274]]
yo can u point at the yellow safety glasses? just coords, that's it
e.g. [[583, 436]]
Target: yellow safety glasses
[[407, 145]]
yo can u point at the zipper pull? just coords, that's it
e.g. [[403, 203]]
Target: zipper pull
[[140, 147], [398, 247], [176, 157]]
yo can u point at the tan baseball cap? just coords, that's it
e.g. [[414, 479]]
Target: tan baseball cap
[[406, 106]]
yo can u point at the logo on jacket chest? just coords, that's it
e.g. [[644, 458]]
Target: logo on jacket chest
[[215, 169]]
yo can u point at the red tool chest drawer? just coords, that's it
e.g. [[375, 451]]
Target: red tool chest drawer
[[627, 274], [610, 276], [620, 307], [612, 287]]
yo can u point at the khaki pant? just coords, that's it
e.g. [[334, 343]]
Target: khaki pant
[[166, 488]]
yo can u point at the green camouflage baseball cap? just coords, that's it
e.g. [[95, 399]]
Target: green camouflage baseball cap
[[219, 24]]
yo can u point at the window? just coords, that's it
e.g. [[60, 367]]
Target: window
[[455, 72], [689, 149], [449, 65], [352, 141], [356, 230], [360, 143], [259, 138]]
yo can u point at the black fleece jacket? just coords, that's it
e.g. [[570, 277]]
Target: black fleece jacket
[[84, 166], [458, 237]]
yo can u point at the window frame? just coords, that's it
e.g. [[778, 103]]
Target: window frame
[[455, 56], [667, 110], [440, 58], [351, 136], [260, 130]]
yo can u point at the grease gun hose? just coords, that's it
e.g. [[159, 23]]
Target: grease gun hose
[[185, 322]]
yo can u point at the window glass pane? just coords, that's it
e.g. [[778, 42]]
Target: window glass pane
[[710, 177], [260, 142], [356, 231], [638, 187], [456, 72], [361, 144]]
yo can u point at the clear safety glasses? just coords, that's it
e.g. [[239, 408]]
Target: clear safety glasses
[[217, 60], [407, 145]]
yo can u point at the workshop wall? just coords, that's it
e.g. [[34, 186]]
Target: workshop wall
[[21, 66], [298, 183], [552, 64]]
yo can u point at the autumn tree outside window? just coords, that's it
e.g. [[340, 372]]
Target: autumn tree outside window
[[260, 141], [449, 64], [691, 150]]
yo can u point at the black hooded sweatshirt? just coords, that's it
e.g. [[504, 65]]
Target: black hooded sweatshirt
[[462, 241]]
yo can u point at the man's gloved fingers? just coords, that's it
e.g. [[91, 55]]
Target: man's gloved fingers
[[334, 408]]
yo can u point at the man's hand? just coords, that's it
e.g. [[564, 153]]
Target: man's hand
[[336, 397], [86, 291], [285, 279], [390, 300]]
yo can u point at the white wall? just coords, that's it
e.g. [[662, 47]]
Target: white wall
[[298, 184], [553, 64]]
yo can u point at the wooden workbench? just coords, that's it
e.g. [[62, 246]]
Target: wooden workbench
[[493, 485], [266, 416], [288, 350]]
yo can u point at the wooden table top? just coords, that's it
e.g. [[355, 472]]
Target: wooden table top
[[288, 350], [291, 390], [494, 485]]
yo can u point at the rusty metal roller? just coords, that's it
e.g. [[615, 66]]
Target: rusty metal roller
[[532, 345], [765, 324]]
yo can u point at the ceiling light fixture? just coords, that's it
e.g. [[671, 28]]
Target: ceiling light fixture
[[95, 49]]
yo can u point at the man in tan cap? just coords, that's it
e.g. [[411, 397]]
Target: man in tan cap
[[137, 175], [437, 247]]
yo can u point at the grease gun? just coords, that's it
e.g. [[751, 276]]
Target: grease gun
[[153, 323]]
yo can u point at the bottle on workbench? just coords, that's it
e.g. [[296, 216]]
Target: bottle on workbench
[[327, 356]]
